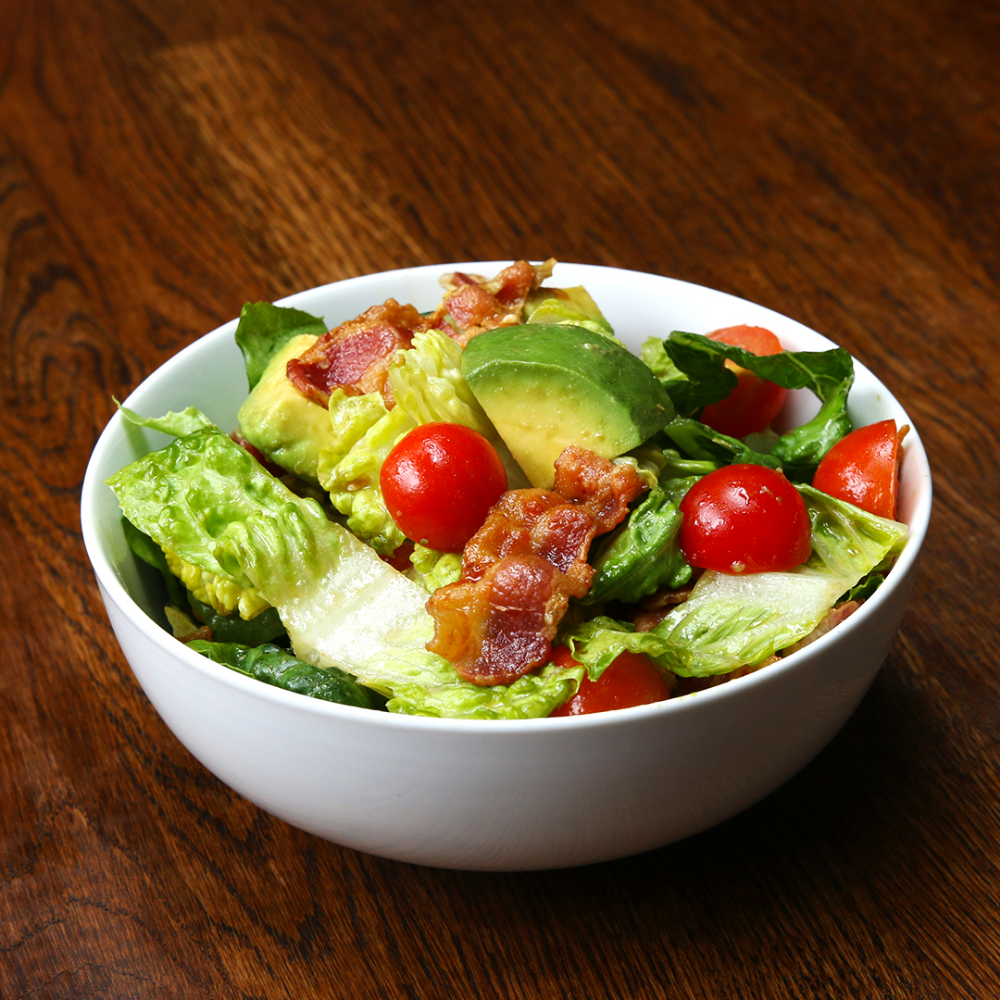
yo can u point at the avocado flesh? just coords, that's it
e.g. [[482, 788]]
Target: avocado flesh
[[548, 386], [280, 422]]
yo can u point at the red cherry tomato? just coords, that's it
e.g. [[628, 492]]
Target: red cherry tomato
[[863, 468], [745, 519], [755, 402], [439, 483], [632, 679]]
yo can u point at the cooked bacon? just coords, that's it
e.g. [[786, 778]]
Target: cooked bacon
[[475, 304], [355, 356], [521, 568]]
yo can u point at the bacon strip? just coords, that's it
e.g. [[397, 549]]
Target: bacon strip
[[474, 304], [355, 356], [521, 568]]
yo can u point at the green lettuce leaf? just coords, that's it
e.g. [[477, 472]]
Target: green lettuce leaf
[[207, 499], [572, 306], [428, 384], [186, 495], [642, 555], [731, 621], [263, 329], [364, 434], [176, 424], [345, 607]]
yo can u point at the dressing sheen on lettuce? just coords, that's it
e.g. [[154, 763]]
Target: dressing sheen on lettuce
[[341, 605], [730, 621]]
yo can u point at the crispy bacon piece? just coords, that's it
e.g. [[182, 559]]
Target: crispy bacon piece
[[355, 356], [475, 304], [520, 569]]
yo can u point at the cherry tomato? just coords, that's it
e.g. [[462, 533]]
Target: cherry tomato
[[632, 679], [439, 483], [755, 402], [745, 519], [863, 468]]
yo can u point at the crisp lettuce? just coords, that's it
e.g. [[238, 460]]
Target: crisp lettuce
[[186, 495], [433, 569], [364, 434], [730, 621], [427, 383], [176, 424], [206, 498], [572, 306], [345, 607]]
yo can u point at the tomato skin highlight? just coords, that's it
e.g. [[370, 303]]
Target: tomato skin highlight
[[745, 519], [863, 469], [439, 482], [755, 402], [631, 679]]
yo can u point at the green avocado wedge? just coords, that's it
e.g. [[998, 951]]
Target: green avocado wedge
[[280, 422], [545, 387]]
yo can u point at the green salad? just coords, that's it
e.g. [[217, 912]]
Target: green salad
[[495, 511]]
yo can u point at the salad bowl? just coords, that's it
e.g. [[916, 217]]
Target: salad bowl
[[497, 795]]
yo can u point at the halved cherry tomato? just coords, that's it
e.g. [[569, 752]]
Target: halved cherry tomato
[[755, 402], [631, 679], [863, 468], [745, 519], [439, 483]]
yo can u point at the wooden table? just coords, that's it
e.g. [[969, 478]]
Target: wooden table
[[163, 162]]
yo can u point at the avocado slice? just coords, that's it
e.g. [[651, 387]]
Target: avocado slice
[[547, 386], [279, 421]]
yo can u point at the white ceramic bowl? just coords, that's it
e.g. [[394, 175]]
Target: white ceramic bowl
[[529, 794]]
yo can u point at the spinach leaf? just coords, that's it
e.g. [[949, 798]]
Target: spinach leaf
[[150, 553], [276, 666], [264, 328], [263, 627], [699, 441], [703, 362], [642, 555]]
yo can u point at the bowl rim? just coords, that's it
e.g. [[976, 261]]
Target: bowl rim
[[113, 587]]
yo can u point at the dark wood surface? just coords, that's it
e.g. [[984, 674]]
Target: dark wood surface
[[163, 161]]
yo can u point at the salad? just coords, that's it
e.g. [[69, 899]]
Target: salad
[[495, 510]]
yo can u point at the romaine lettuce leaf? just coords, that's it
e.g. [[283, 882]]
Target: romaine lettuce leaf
[[186, 495], [206, 498], [364, 434], [573, 306], [177, 424], [427, 382], [345, 607], [730, 621]]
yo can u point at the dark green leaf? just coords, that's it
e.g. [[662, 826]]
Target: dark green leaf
[[278, 667], [265, 328], [264, 627], [642, 556], [699, 441]]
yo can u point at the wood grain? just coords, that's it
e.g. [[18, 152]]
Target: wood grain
[[161, 163]]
